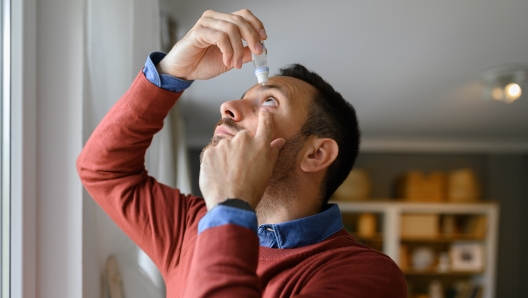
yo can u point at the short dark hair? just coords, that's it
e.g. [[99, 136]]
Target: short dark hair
[[329, 116]]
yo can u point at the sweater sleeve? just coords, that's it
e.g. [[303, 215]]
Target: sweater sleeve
[[225, 263], [111, 167]]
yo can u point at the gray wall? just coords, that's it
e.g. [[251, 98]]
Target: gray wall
[[505, 185], [524, 229], [504, 178]]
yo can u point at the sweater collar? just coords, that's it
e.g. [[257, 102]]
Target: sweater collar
[[303, 231]]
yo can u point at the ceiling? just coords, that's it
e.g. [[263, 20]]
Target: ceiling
[[409, 67]]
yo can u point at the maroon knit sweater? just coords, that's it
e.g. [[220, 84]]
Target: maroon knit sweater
[[224, 261]]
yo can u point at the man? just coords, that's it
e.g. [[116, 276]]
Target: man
[[281, 151]]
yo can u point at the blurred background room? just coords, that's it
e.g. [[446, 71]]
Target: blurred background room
[[441, 91]]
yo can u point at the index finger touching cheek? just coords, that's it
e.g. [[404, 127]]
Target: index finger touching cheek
[[253, 21], [265, 125]]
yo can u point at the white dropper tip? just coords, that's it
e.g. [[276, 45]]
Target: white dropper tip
[[262, 74]]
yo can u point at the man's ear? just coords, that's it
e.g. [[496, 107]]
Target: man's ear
[[319, 154]]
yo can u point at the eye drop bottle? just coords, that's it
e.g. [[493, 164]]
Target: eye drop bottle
[[261, 65]]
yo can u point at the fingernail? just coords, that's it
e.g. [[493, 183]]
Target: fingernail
[[240, 63], [258, 47], [264, 109], [263, 33]]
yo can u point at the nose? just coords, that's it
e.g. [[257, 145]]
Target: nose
[[232, 109]]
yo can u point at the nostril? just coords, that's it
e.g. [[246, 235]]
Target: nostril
[[230, 113]]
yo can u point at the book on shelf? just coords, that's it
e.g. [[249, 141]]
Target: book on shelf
[[476, 227], [465, 289]]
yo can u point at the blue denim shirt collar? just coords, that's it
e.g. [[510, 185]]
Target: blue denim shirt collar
[[302, 232]]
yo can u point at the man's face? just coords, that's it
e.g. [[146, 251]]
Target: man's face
[[286, 98]]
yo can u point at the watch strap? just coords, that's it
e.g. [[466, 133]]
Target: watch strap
[[237, 203]]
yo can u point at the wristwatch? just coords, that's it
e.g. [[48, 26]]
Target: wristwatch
[[237, 203]]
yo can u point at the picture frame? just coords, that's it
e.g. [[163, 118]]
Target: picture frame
[[466, 256]]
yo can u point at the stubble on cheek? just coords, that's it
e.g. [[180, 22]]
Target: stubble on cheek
[[283, 184]]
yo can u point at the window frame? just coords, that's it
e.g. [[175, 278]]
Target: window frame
[[23, 149], [5, 137]]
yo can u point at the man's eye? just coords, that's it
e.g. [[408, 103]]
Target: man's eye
[[269, 102]]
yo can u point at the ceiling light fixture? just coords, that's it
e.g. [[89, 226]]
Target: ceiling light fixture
[[504, 82], [512, 91]]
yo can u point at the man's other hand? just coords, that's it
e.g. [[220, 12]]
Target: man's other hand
[[240, 167], [214, 45]]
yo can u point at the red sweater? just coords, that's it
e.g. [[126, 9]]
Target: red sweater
[[224, 261]]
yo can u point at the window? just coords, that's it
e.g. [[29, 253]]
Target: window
[[5, 156]]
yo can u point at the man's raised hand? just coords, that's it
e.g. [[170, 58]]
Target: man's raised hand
[[214, 45], [241, 167]]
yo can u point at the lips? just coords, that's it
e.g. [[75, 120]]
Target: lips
[[222, 130]]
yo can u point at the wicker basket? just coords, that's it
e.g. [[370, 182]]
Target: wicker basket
[[416, 186], [356, 187], [463, 186]]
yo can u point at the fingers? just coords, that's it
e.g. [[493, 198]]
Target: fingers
[[239, 25], [247, 56], [265, 131], [236, 48], [254, 21], [275, 147], [207, 36], [265, 125], [247, 23]]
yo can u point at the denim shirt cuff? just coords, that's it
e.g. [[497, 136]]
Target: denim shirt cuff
[[223, 215], [163, 81]]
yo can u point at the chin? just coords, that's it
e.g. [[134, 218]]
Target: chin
[[214, 141], [217, 138]]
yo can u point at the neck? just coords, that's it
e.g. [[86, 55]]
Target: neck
[[290, 200]]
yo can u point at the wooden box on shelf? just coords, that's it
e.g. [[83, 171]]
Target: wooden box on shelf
[[415, 186], [356, 187], [419, 225], [463, 186]]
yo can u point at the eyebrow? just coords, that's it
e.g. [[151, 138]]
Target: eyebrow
[[271, 87]]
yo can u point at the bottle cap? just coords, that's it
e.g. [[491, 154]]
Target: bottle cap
[[262, 74]]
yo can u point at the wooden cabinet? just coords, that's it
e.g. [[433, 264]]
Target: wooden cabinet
[[463, 234]]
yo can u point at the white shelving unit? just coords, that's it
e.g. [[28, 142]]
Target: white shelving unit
[[392, 211]]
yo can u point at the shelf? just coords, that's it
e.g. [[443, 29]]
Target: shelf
[[411, 272], [442, 239], [381, 206]]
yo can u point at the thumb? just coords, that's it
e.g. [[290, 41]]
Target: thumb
[[275, 147]]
